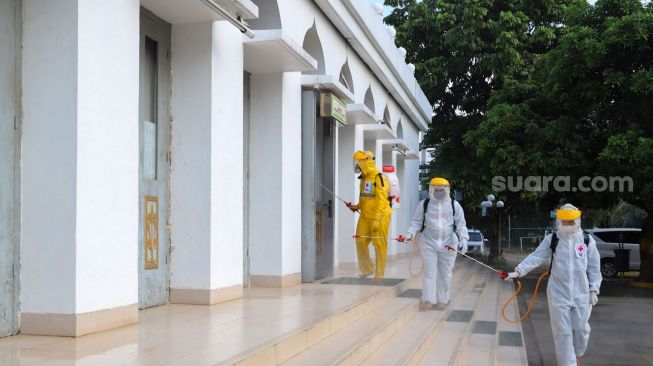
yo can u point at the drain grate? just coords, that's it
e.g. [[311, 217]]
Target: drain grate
[[364, 281]]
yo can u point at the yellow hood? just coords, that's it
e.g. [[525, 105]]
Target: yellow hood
[[365, 160]]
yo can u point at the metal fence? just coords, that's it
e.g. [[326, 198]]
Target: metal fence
[[525, 238]]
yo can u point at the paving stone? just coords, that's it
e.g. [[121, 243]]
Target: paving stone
[[510, 339], [364, 281], [484, 327], [463, 316]]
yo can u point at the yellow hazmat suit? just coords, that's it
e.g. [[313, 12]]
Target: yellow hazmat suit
[[375, 215]]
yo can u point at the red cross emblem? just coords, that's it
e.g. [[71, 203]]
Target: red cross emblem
[[580, 248]]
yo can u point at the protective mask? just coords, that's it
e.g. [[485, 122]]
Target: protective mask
[[439, 194], [357, 168], [564, 230]]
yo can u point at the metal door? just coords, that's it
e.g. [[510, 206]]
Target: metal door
[[324, 200], [154, 161], [9, 127], [318, 209]]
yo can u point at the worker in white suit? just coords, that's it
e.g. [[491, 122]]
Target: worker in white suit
[[574, 283], [438, 225]]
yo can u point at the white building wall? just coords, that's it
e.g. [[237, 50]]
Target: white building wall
[[80, 162], [190, 172], [347, 190], [107, 154], [227, 157], [49, 210], [265, 175], [291, 162], [89, 157], [275, 179], [207, 164]]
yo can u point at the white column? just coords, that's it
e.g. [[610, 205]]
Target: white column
[[207, 163], [378, 154], [392, 245], [80, 166], [337, 130], [347, 190], [275, 179]]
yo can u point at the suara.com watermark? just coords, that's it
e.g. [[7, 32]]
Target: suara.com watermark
[[562, 184]]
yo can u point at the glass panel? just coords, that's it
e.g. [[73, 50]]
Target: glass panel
[[150, 101], [474, 236], [631, 237], [608, 236]]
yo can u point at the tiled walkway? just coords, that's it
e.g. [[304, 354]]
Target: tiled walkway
[[203, 335]]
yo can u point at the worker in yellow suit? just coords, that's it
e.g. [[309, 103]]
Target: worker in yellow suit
[[374, 217]]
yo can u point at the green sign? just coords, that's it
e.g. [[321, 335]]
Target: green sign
[[331, 106]]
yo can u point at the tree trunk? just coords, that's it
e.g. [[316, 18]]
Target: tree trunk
[[646, 250]]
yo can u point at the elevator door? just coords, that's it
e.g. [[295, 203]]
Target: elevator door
[[154, 164], [324, 200]]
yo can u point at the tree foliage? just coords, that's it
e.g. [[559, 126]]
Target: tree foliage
[[464, 50], [536, 88]]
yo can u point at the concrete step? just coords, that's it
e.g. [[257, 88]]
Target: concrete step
[[401, 348], [290, 344], [483, 337], [354, 343], [510, 335], [446, 341], [480, 344]]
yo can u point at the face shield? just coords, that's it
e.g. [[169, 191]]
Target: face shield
[[439, 192], [357, 168], [568, 220], [567, 227]]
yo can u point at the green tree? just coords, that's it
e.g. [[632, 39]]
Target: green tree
[[464, 50], [586, 109]]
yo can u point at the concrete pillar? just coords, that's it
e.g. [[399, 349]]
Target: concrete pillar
[[80, 166], [404, 213], [275, 179], [394, 228], [207, 165], [337, 130], [348, 190], [378, 154]]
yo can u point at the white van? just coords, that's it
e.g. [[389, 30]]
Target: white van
[[609, 239]]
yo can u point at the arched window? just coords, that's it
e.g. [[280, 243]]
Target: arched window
[[313, 46], [386, 117], [345, 77], [400, 130], [369, 100]]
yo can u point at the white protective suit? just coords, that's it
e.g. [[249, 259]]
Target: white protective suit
[[433, 241], [575, 272]]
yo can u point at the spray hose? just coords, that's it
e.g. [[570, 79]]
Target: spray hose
[[514, 296]]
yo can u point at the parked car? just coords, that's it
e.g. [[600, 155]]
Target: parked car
[[476, 243], [608, 239]]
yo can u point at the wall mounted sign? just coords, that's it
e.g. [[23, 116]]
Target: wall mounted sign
[[151, 232], [331, 106]]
